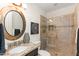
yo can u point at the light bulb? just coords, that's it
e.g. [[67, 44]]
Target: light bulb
[[50, 20]]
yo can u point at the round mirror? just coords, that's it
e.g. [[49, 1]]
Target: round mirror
[[14, 24]]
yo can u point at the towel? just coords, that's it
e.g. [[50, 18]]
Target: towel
[[2, 41]]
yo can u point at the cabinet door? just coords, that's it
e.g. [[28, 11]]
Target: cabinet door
[[33, 53]]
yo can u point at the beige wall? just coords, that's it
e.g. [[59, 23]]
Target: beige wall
[[33, 15]]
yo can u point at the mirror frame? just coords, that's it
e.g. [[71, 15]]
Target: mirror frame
[[5, 11], [23, 29]]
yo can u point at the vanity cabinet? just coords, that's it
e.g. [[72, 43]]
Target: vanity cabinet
[[33, 53]]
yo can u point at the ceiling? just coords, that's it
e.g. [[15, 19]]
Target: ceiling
[[47, 7]]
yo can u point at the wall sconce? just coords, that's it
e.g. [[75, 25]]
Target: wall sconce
[[50, 20]]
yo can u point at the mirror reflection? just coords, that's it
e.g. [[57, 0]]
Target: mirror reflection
[[13, 23]]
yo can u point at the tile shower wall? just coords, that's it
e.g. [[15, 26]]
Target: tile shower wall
[[43, 32], [61, 38]]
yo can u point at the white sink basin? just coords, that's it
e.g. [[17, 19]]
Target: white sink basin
[[18, 49]]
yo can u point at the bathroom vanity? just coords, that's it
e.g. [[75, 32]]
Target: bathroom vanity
[[29, 49]]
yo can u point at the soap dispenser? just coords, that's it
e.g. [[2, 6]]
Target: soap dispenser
[[2, 41], [26, 38]]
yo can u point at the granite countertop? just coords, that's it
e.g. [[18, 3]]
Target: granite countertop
[[30, 47]]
